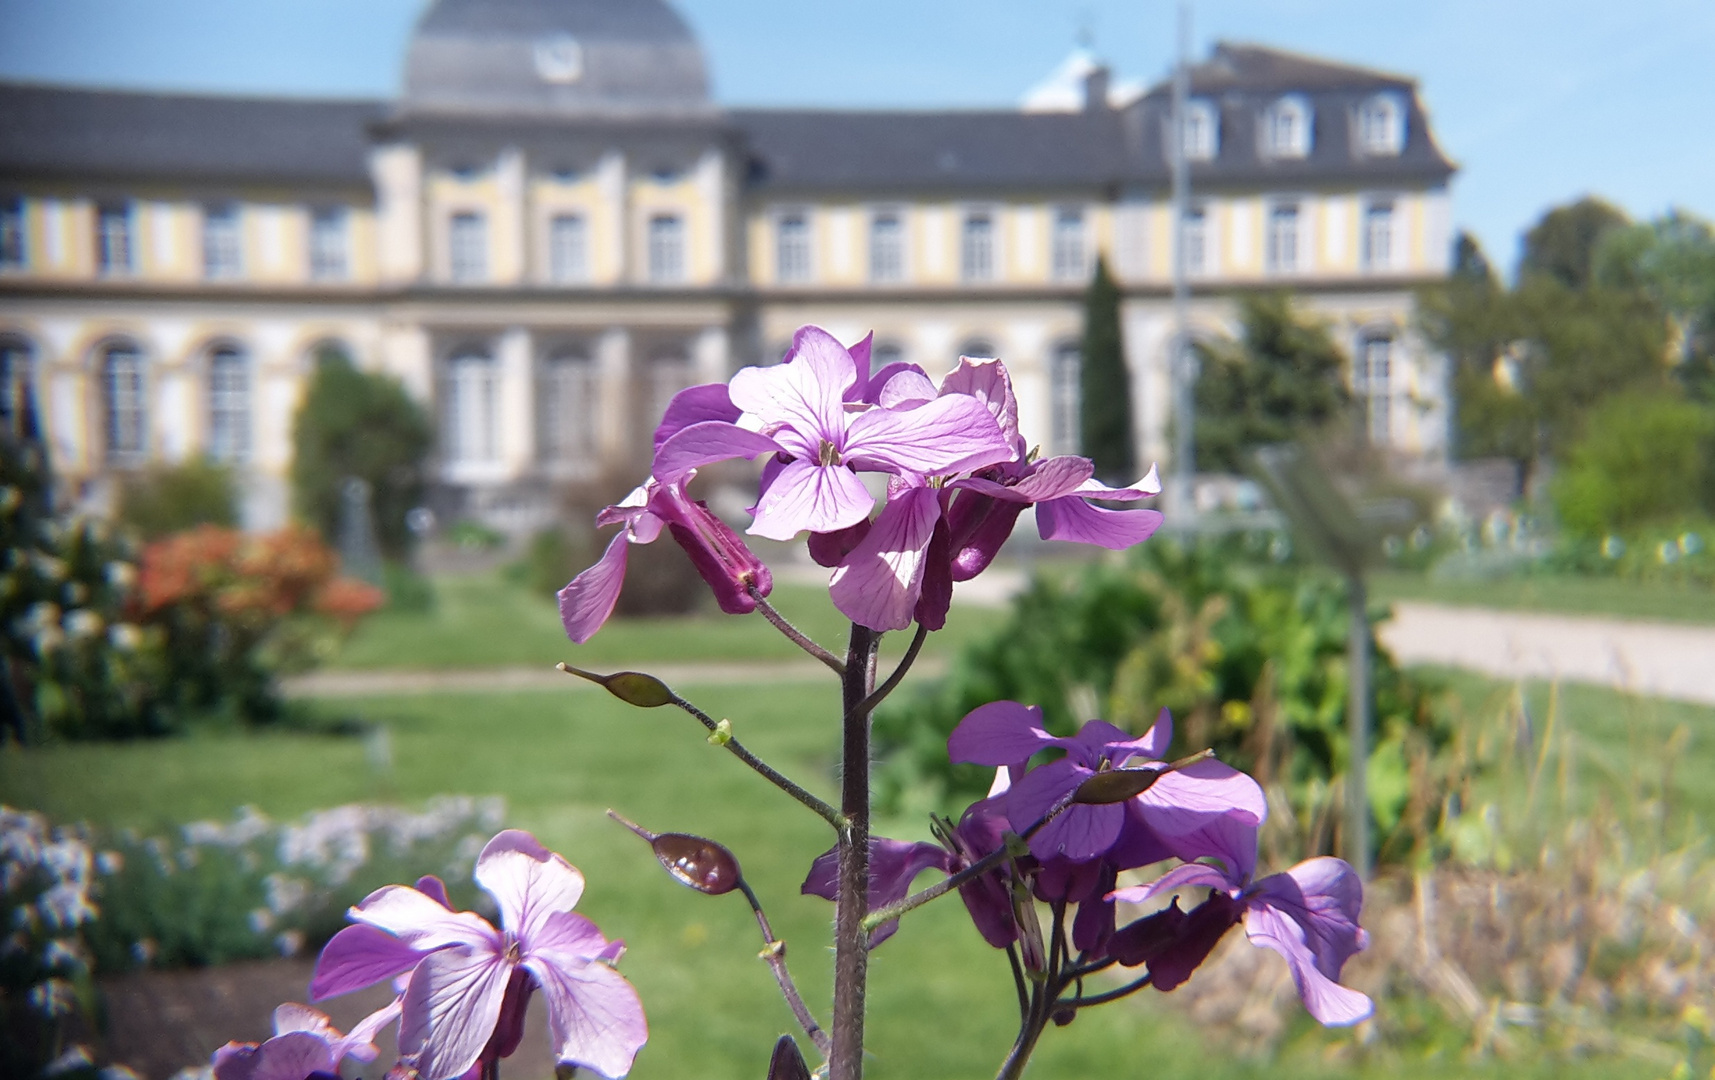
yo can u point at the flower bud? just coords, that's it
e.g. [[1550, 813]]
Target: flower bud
[[787, 1061]]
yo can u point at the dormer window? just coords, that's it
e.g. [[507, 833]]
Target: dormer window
[[1286, 128], [1202, 130], [1381, 125]]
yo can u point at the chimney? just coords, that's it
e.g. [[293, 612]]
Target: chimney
[[1096, 89]]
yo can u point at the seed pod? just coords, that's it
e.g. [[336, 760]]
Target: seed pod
[[787, 1061], [631, 687], [1115, 785], [697, 863]]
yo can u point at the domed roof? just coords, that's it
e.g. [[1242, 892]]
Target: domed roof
[[554, 56]]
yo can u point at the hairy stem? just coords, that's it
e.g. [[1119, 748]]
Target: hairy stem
[[869, 703], [828, 813], [851, 939], [774, 952], [797, 636]]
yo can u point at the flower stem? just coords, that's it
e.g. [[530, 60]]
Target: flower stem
[[828, 813], [797, 636], [851, 939], [905, 662], [774, 952]]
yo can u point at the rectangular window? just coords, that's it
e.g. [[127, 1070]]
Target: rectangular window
[[126, 420], [220, 243], [1194, 234], [1282, 252], [467, 247], [886, 248], [13, 253], [1065, 400], [228, 406], [976, 249], [1372, 384], [470, 396], [792, 248], [666, 248], [568, 249], [1067, 257], [568, 397], [113, 239], [1201, 132], [1378, 236], [327, 244]]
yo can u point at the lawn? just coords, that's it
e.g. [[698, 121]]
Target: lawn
[[486, 620], [941, 1000], [1612, 597]]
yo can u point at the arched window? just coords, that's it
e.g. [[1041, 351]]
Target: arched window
[[567, 399], [17, 389], [1286, 128], [125, 416], [1381, 125], [1065, 398], [228, 405], [470, 408]]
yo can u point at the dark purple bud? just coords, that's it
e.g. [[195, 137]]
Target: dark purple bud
[[697, 863], [937, 590], [1115, 786], [694, 861], [787, 1061], [631, 687], [981, 525], [1141, 941], [731, 569]]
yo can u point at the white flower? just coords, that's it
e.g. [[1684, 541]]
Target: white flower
[[83, 623], [121, 575], [125, 637]]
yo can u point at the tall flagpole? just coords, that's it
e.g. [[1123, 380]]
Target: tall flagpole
[[1182, 360]]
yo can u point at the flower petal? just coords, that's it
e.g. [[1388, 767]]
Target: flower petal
[[451, 1009], [1075, 520], [989, 383], [595, 1018], [799, 402], [1185, 876], [360, 956], [907, 389], [361, 1041], [703, 443], [1329, 1002], [588, 599], [999, 733], [1079, 832], [294, 1056], [946, 435], [529, 882], [694, 405], [1325, 897], [421, 921], [879, 582], [806, 495]]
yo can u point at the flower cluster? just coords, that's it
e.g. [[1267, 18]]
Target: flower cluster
[[463, 984], [1202, 814], [958, 475]]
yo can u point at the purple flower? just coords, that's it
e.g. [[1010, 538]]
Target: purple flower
[[725, 563], [1309, 915], [810, 411], [1132, 833], [469, 982], [305, 1044], [893, 864]]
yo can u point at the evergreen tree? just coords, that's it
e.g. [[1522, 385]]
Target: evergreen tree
[[356, 424], [1283, 380], [1104, 384]]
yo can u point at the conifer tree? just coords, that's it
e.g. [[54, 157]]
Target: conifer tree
[[1104, 384]]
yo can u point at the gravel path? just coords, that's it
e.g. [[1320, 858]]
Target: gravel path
[[1670, 660]]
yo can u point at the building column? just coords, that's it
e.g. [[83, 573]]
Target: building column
[[711, 355], [511, 233], [616, 208], [400, 224], [614, 366], [515, 358]]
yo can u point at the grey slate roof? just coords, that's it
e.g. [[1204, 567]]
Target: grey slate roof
[[884, 152], [99, 135], [554, 56]]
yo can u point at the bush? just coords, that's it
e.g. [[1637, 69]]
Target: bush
[[551, 559], [356, 424], [1248, 654], [170, 498], [96, 647], [1644, 460]]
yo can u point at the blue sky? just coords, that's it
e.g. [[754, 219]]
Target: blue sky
[[1540, 101]]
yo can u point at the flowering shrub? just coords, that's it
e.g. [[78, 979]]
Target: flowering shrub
[[1036, 861], [98, 647], [77, 901]]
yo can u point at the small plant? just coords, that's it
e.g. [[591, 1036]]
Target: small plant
[[171, 498]]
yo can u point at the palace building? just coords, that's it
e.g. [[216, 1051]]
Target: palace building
[[553, 229]]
